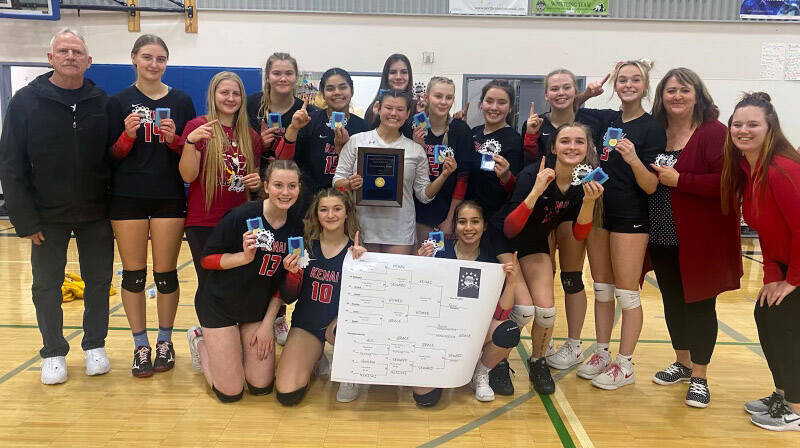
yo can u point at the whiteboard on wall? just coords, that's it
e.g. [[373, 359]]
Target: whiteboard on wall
[[21, 76]]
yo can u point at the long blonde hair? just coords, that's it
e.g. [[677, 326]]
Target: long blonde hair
[[263, 107], [313, 228], [440, 80], [213, 165]]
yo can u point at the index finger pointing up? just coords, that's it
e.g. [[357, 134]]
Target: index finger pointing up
[[533, 111], [608, 75], [356, 240], [305, 102]]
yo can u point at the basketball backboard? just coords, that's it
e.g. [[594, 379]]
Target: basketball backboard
[[30, 9]]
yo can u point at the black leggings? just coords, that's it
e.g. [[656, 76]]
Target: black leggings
[[692, 326], [778, 331]]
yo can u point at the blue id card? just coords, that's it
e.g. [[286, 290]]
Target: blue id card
[[337, 120], [254, 223], [421, 121], [162, 113], [274, 120], [296, 246], [613, 135], [437, 153], [439, 238], [487, 162], [381, 92], [597, 175]]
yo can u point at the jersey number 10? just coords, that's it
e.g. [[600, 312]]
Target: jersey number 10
[[321, 292]]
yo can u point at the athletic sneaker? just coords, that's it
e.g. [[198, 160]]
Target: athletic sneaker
[[779, 418], [567, 356], [142, 366], [347, 392], [763, 405], [54, 370], [698, 395], [500, 378], [480, 384], [323, 366], [281, 329], [540, 376], [195, 335], [165, 356], [595, 365], [674, 373], [96, 361], [617, 374]]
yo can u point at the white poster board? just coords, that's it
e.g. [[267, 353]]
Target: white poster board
[[413, 321], [489, 7]]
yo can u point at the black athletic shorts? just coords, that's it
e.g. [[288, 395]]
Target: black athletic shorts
[[212, 314], [125, 208], [626, 225], [319, 333], [523, 244]]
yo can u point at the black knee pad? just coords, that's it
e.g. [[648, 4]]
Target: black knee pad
[[429, 399], [227, 398], [506, 335], [134, 281], [291, 398], [260, 390], [166, 282], [572, 282]]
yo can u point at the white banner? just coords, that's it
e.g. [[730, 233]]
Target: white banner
[[413, 321], [489, 7]]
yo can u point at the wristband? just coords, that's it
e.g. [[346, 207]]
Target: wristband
[[189, 141]]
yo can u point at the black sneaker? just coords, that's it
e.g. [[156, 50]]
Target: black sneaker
[[142, 367], [674, 373], [165, 357], [500, 379], [540, 376], [698, 395]]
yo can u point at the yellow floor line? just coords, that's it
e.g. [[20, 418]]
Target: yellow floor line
[[572, 419]]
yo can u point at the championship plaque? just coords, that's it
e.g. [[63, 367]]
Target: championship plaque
[[381, 170]]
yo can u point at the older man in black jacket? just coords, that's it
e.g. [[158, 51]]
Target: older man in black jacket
[[55, 172]]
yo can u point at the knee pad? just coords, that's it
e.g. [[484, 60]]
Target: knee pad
[[429, 399], [291, 398], [134, 281], [506, 335], [545, 317], [628, 299], [227, 398], [260, 390], [572, 282], [522, 314], [604, 292], [166, 282]]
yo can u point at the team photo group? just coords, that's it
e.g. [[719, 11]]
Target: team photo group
[[270, 215]]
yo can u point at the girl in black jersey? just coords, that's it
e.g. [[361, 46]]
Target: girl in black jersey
[[454, 134], [547, 194], [396, 75], [332, 222], [623, 239], [311, 142], [503, 334], [237, 307], [148, 198]]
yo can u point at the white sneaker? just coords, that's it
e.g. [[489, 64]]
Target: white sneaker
[[567, 356], [347, 392], [480, 384], [323, 366], [617, 374], [281, 329], [551, 349], [596, 364], [96, 361], [54, 370], [195, 335]]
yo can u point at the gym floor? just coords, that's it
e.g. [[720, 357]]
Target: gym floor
[[176, 408]]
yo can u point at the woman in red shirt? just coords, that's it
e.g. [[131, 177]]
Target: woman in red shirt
[[694, 248], [761, 170]]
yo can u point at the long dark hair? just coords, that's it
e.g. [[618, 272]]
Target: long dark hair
[[506, 87], [369, 117]]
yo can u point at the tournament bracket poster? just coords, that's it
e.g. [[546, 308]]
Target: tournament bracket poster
[[571, 7], [788, 10], [489, 7]]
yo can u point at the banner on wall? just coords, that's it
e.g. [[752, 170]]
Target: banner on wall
[[489, 7], [571, 7], [788, 10]]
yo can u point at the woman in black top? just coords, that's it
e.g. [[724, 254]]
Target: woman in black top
[[237, 306], [331, 231], [396, 75], [148, 197]]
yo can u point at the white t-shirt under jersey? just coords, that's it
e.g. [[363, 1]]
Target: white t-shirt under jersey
[[389, 225]]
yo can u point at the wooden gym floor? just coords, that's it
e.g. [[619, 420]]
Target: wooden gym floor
[[177, 409]]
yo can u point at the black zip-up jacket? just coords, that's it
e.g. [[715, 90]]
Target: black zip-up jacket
[[54, 161]]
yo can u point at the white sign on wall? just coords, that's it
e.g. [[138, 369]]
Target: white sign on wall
[[489, 7]]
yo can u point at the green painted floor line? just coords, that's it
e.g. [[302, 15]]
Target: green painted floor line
[[78, 327], [652, 341]]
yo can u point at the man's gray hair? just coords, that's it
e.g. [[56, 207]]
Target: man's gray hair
[[66, 31]]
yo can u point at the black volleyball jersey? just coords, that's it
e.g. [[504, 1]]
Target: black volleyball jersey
[[245, 291], [623, 198], [315, 153], [459, 139], [150, 169], [548, 131], [318, 303], [449, 252], [485, 187], [255, 117]]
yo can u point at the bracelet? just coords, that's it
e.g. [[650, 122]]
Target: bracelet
[[189, 141]]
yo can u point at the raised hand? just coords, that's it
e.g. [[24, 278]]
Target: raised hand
[[543, 179], [301, 118], [357, 250], [594, 89], [203, 132], [462, 114], [534, 122]]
